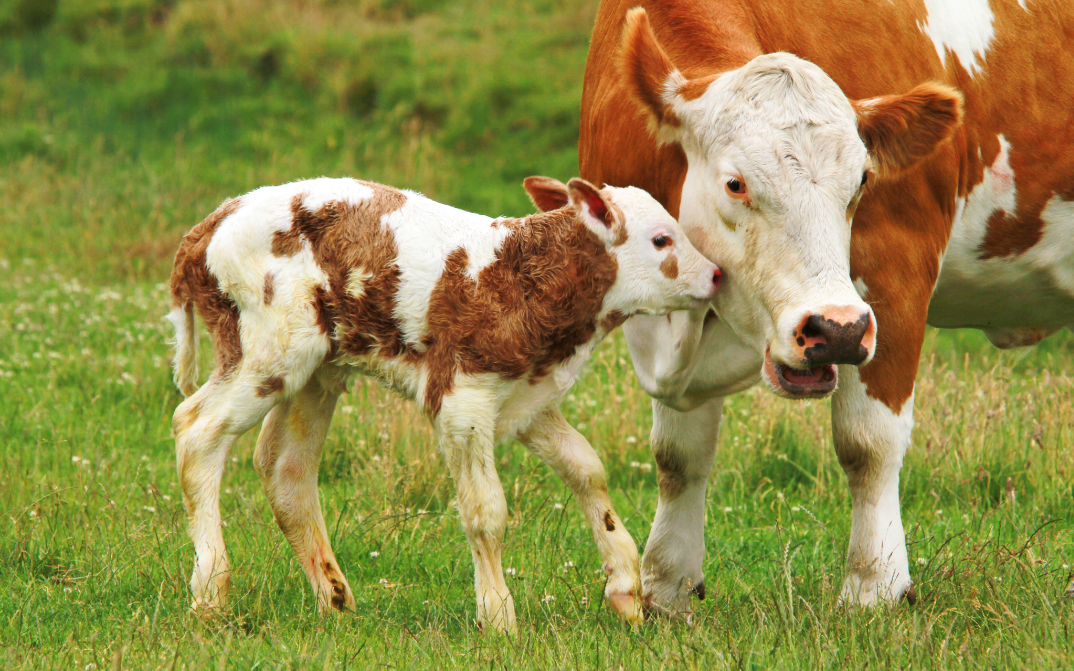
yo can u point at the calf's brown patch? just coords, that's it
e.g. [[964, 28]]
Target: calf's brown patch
[[192, 282], [670, 266], [527, 311]]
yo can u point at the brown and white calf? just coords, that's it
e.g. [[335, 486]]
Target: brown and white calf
[[485, 322]]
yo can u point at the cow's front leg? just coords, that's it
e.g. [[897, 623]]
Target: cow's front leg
[[871, 440], [570, 455], [465, 427], [683, 444]]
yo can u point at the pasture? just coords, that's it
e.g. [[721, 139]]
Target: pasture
[[127, 121]]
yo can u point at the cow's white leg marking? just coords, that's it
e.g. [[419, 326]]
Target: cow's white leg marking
[[570, 455], [466, 430], [684, 444], [871, 442], [287, 458]]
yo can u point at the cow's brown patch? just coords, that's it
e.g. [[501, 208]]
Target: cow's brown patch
[[670, 471], [191, 282], [269, 289], [269, 386], [344, 236], [670, 266], [609, 521], [695, 88], [528, 310]]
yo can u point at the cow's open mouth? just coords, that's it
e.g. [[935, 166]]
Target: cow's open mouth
[[810, 382]]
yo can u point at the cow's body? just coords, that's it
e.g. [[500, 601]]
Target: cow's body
[[978, 233], [485, 322]]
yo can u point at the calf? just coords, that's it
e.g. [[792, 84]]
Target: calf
[[485, 322]]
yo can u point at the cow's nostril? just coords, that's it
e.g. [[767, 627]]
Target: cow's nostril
[[716, 277], [835, 339]]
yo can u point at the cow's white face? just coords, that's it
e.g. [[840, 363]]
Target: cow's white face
[[778, 162], [658, 269]]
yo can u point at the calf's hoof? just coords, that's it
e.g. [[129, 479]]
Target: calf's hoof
[[627, 606]]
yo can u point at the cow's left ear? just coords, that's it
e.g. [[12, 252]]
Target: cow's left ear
[[546, 193], [901, 130], [593, 208]]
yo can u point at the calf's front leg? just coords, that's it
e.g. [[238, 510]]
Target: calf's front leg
[[570, 455], [465, 427]]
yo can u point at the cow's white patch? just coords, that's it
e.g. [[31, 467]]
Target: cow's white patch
[[426, 233], [963, 26], [1034, 289], [859, 284]]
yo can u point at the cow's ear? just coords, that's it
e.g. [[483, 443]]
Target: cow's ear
[[593, 208], [649, 76], [901, 130], [546, 193]]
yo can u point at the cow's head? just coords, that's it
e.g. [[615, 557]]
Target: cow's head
[[778, 161], [658, 269]]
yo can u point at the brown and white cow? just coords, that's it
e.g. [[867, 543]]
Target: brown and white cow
[[857, 169], [485, 322]]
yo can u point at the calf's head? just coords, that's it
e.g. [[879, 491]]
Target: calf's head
[[778, 160], [658, 269]]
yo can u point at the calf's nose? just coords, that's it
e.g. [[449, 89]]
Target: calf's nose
[[716, 277], [841, 334]]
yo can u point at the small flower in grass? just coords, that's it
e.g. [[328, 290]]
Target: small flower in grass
[[384, 582], [939, 513], [425, 603], [795, 509], [548, 598], [645, 467], [999, 579], [374, 554], [631, 440], [149, 509], [558, 506], [635, 464], [510, 571], [727, 510], [921, 561], [585, 601], [1066, 567], [568, 564]]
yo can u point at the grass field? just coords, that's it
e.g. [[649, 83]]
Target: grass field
[[126, 121]]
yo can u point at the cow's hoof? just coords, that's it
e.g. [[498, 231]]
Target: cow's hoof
[[870, 593]]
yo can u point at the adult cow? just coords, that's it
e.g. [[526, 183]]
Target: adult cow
[[767, 126]]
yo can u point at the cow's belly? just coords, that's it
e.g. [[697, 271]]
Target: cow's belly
[[1034, 289]]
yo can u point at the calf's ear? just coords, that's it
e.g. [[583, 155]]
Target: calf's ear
[[546, 193], [593, 208], [901, 130]]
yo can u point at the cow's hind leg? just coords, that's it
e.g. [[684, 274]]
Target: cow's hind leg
[[570, 455], [287, 459], [465, 427]]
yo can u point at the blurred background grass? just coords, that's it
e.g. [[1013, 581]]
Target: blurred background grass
[[126, 121]]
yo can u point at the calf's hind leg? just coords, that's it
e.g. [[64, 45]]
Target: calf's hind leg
[[570, 455], [206, 425], [465, 428], [287, 458]]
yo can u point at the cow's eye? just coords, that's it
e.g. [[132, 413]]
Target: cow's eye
[[864, 178], [661, 241], [735, 185]]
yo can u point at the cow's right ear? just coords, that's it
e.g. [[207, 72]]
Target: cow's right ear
[[546, 193], [901, 130], [649, 76]]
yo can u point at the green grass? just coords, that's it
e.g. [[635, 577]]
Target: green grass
[[126, 121]]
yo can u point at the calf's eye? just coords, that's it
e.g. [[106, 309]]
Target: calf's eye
[[661, 241]]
